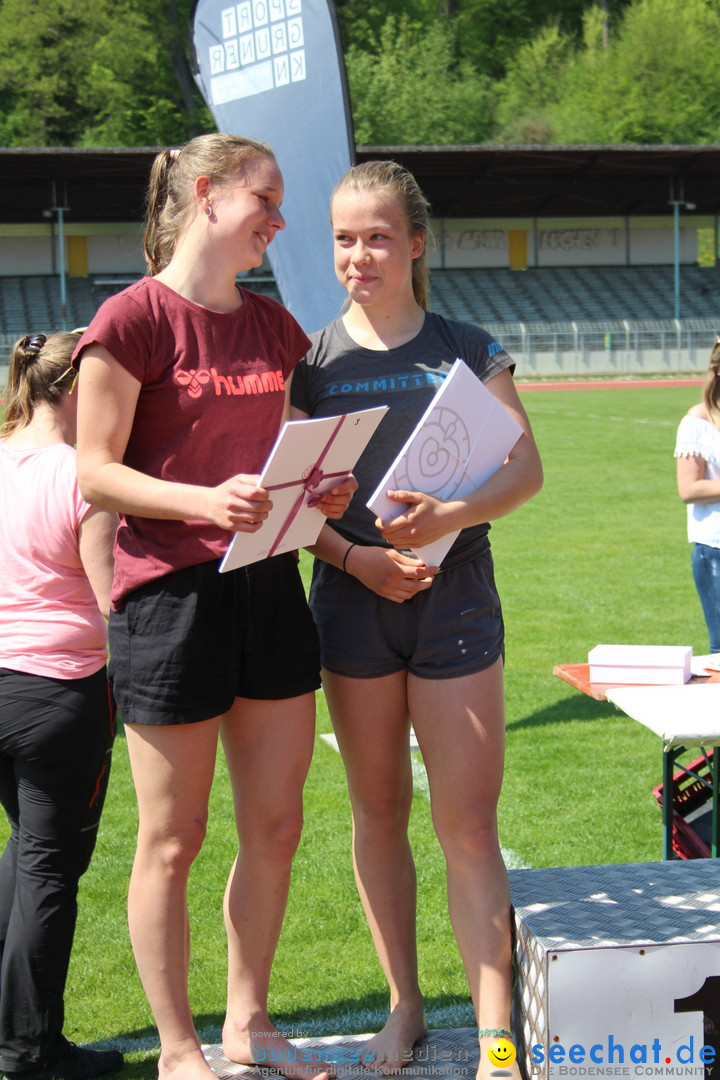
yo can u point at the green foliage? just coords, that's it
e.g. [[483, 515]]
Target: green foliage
[[410, 90], [361, 22], [37, 97], [116, 73], [640, 89], [96, 73], [706, 247], [490, 34], [535, 76], [645, 91]]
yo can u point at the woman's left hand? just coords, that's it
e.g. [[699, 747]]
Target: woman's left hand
[[335, 502], [424, 520]]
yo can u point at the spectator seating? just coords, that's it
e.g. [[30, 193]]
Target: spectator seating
[[485, 296], [574, 294]]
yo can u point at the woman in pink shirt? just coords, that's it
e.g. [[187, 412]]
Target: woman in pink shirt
[[57, 718]]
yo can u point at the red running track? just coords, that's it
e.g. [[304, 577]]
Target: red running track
[[595, 384], [607, 384]]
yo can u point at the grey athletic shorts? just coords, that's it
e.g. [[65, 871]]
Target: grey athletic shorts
[[453, 628], [184, 646]]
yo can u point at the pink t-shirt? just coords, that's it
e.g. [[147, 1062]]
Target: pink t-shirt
[[50, 623], [210, 406]]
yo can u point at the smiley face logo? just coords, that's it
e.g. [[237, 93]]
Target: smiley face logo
[[501, 1053]]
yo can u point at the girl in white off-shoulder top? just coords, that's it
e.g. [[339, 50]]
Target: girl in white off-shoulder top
[[697, 450]]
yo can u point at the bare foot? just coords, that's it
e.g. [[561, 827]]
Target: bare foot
[[392, 1048], [184, 1066], [269, 1049], [488, 1069]]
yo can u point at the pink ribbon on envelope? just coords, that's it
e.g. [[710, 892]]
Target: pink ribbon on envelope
[[309, 483]]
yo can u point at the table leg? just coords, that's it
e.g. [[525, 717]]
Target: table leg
[[669, 757], [715, 841]]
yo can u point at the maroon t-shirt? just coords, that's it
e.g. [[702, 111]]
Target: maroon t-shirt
[[210, 406]]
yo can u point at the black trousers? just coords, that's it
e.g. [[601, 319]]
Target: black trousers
[[56, 739]]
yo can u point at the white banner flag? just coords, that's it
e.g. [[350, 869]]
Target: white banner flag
[[274, 70]]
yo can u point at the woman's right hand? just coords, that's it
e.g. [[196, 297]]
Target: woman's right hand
[[389, 573], [239, 504]]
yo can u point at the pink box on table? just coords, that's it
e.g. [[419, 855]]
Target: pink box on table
[[659, 664]]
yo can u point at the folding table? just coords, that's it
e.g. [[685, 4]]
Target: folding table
[[684, 716]]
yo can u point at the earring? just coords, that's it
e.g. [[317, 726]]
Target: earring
[[209, 210]]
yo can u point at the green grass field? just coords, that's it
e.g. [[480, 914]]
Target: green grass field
[[599, 556]]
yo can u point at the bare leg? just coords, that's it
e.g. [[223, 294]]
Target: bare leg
[[172, 769], [268, 746], [370, 718], [460, 726]]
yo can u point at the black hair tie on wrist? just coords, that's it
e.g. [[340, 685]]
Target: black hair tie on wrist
[[347, 552]]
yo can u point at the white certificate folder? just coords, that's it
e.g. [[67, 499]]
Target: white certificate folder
[[463, 438], [309, 457]]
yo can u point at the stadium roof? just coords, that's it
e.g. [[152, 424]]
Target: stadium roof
[[109, 185], [561, 181]]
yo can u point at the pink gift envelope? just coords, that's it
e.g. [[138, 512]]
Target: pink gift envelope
[[462, 438], [309, 457]]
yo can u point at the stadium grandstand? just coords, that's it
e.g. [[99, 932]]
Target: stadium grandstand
[[581, 260]]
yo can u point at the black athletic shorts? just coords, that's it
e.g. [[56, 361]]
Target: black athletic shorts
[[453, 628], [184, 646]]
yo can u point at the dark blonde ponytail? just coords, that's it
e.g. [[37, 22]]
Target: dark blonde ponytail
[[40, 371], [169, 201]]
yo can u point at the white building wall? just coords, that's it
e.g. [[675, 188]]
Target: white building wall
[[469, 243], [115, 255], [26, 255], [117, 249], [564, 242], [35, 249], [655, 246], [580, 246]]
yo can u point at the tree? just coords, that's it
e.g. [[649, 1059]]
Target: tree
[[637, 89], [115, 72], [534, 84], [361, 21], [123, 106], [490, 34], [37, 70], [96, 73], [412, 90], [644, 89]]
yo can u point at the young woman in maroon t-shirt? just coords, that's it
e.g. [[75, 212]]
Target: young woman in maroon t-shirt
[[184, 382]]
